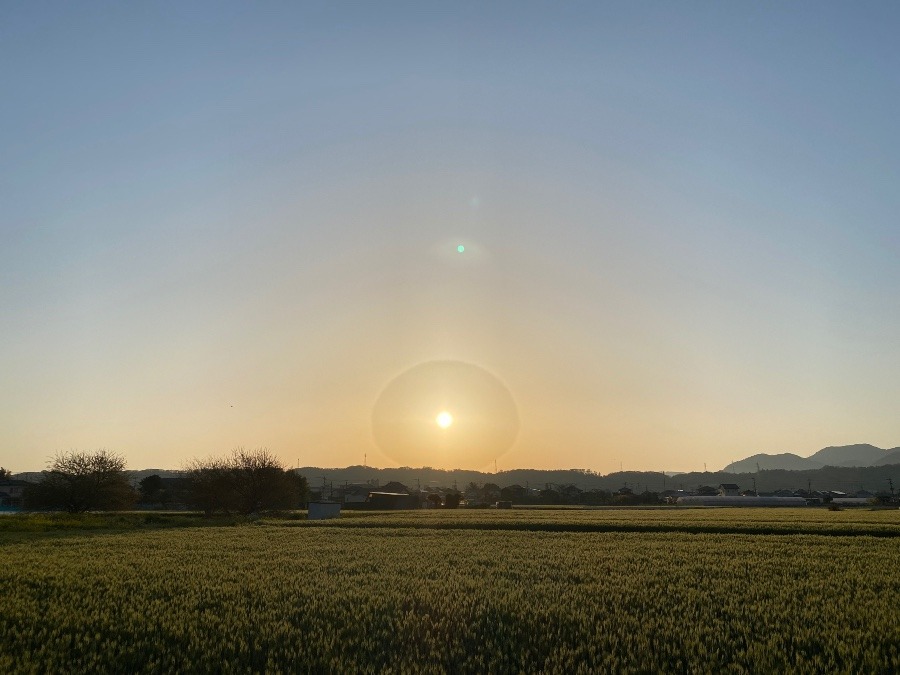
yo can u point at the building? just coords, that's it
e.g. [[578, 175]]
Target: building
[[356, 494], [12, 492], [737, 500], [388, 501], [729, 490], [323, 510]]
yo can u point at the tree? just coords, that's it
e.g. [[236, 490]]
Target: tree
[[209, 486], [78, 481], [490, 493], [5, 474], [514, 493], [247, 481], [153, 491], [549, 496], [262, 483]]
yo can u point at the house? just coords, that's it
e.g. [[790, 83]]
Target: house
[[729, 490], [12, 492], [392, 500], [395, 486], [356, 494], [671, 496]]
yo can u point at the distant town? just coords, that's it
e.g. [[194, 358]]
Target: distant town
[[861, 480]]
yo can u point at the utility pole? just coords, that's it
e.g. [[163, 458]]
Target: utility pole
[[891, 485], [755, 492]]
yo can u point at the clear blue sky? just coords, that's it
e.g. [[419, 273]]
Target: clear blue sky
[[234, 223]]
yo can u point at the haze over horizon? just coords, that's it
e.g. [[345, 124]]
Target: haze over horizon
[[230, 224]]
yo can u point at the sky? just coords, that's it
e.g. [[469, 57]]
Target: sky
[[236, 224]]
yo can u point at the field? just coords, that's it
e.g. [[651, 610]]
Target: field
[[488, 591]]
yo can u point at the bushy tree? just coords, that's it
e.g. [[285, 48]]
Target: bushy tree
[[550, 496], [156, 490], [262, 483], [514, 493], [209, 486], [79, 481], [247, 481], [490, 493], [451, 500]]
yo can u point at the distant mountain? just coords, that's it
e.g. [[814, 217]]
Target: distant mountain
[[140, 474], [892, 457], [859, 455], [786, 461], [134, 477], [30, 476], [875, 479]]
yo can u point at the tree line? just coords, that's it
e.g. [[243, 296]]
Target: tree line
[[244, 482]]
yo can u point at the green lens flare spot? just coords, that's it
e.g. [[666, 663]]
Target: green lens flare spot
[[461, 249]]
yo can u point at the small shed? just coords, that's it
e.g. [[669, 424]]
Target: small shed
[[323, 510]]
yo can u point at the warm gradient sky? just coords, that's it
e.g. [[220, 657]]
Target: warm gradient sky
[[234, 223]]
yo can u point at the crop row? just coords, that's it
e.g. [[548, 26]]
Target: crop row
[[875, 522]]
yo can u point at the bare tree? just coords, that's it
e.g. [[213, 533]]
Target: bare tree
[[247, 481], [79, 481], [210, 485]]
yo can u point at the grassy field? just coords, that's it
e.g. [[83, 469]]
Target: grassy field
[[460, 592]]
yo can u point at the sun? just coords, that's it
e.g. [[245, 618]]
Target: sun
[[444, 419], [445, 414]]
